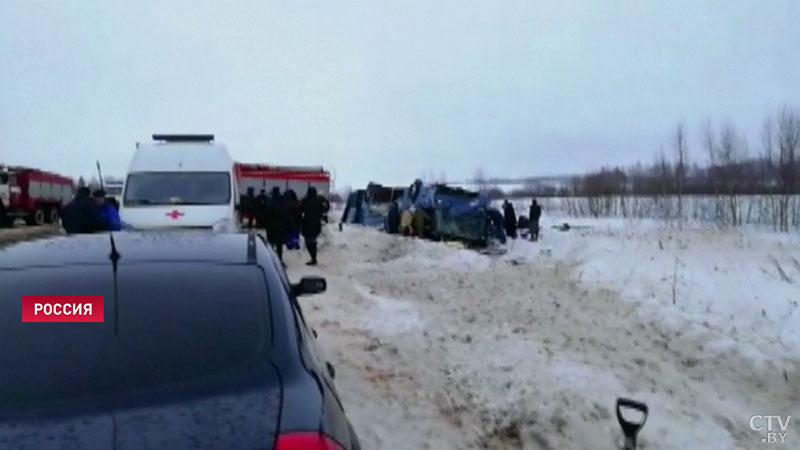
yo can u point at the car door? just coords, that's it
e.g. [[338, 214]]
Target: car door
[[312, 350]]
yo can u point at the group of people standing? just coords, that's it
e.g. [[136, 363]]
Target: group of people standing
[[285, 217], [90, 212], [512, 225]]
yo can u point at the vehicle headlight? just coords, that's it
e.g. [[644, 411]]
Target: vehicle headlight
[[225, 225]]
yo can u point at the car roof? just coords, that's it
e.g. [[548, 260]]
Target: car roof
[[181, 157], [132, 247]]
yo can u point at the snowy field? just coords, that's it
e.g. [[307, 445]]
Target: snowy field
[[709, 211], [438, 347]]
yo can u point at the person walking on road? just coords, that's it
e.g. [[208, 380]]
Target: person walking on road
[[261, 207], [312, 210], [249, 205], [276, 222], [510, 219], [292, 205], [534, 215]]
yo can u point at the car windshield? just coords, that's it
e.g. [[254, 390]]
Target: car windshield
[[178, 188]]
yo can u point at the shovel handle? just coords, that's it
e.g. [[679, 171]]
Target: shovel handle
[[631, 429]]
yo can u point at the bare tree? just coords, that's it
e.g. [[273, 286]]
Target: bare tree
[[427, 176], [788, 141], [479, 178], [662, 173], [767, 139], [681, 160], [732, 150], [727, 157], [710, 146], [709, 142], [767, 175]]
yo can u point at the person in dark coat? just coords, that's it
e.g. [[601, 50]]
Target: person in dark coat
[[326, 208], [393, 219], [292, 204], [523, 227], [275, 221], [510, 219], [312, 210], [534, 215], [249, 207], [261, 207], [82, 214]]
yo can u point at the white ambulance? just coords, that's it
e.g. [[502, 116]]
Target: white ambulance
[[180, 181]]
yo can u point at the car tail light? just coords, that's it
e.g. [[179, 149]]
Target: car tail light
[[306, 441]]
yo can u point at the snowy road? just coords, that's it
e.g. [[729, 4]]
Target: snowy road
[[442, 348]]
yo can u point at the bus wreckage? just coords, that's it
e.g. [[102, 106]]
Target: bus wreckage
[[433, 211]]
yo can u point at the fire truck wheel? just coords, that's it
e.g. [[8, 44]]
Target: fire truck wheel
[[37, 218], [53, 216], [3, 216]]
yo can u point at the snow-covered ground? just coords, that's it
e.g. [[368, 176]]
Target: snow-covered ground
[[24, 233], [438, 347]]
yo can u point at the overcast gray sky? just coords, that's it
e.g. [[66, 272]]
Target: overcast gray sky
[[387, 90]]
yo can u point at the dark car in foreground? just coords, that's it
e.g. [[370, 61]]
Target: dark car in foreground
[[202, 345]]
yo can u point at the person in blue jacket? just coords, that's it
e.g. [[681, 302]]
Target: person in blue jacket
[[108, 214]]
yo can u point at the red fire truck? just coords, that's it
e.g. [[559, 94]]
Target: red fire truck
[[31, 194], [297, 178]]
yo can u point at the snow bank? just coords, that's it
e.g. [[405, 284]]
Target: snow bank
[[443, 348]]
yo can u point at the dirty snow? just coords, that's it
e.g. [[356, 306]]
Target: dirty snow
[[438, 347], [24, 233]]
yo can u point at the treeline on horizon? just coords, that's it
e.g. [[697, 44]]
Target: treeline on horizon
[[726, 164]]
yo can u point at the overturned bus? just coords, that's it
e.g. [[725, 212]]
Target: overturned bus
[[453, 213], [370, 206]]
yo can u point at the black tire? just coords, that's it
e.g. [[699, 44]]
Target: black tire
[[53, 217], [3, 215], [37, 218]]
